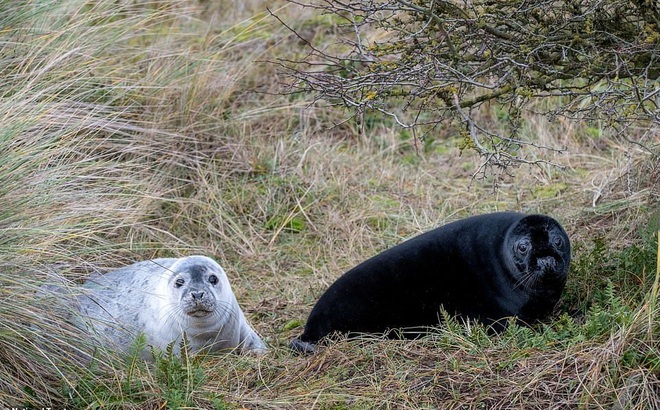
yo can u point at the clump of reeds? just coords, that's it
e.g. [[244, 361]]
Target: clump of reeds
[[98, 105]]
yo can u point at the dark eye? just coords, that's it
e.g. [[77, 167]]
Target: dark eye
[[179, 282], [213, 280], [557, 241], [523, 247]]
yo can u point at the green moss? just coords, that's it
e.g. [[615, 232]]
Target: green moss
[[292, 324], [549, 190], [594, 132]]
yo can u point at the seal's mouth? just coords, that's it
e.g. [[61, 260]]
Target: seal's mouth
[[199, 313]]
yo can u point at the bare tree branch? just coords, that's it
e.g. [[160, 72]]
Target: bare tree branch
[[442, 61]]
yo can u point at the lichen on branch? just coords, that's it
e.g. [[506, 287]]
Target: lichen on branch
[[437, 62]]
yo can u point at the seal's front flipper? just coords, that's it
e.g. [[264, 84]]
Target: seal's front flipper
[[251, 342], [301, 347]]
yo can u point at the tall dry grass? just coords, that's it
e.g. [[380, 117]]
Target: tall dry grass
[[109, 111], [135, 130]]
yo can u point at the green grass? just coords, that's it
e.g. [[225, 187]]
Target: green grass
[[132, 131]]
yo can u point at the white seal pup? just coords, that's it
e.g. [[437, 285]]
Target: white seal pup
[[164, 299]]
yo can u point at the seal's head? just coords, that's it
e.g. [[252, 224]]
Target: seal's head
[[200, 286], [541, 252]]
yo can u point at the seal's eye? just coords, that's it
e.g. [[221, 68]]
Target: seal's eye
[[557, 241], [213, 280], [179, 282], [523, 247]]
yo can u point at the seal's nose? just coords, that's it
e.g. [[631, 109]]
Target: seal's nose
[[547, 264], [197, 295]]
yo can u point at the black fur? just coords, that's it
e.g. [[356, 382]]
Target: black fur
[[486, 268]]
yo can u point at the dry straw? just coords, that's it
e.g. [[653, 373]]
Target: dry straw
[[132, 130]]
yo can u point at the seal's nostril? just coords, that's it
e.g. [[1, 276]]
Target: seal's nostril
[[547, 264]]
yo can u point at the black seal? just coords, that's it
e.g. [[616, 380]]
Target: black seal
[[485, 268]]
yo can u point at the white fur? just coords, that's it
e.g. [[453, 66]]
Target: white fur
[[142, 298]]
